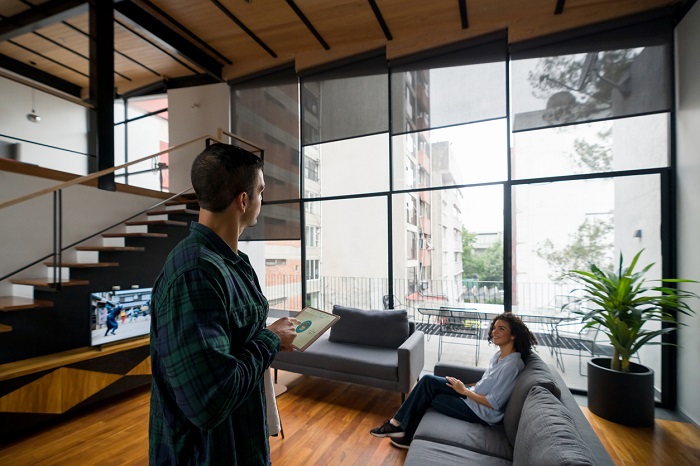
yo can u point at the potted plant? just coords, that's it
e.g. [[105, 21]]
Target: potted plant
[[621, 303]]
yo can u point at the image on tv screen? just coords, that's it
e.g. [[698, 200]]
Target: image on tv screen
[[120, 314]]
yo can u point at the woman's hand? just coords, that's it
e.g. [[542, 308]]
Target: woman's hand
[[457, 385]]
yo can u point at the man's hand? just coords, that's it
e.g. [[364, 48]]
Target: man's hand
[[285, 328]]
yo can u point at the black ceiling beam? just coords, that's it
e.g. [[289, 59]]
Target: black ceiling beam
[[189, 81], [74, 52], [463, 14], [380, 19], [44, 57], [187, 31], [158, 87], [308, 24], [80, 31], [159, 44], [51, 12], [245, 29], [559, 9], [39, 76], [154, 26]]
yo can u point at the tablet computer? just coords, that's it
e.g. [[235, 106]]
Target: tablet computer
[[312, 324]]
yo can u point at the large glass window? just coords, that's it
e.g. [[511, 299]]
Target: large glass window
[[583, 106], [350, 266], [455, 253], [457, 155], [621, 72], [265, 111], [596, 219], [346, 101], [278, 266], [471, 177], [142, 130], [351, 166]]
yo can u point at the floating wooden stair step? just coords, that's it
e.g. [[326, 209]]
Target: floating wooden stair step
[[110, 248], [174, 212], [134, 235], [18, 303], [184, 199], [83, 265], [5, 328], [48, 282], [178, 203], [169, 223]]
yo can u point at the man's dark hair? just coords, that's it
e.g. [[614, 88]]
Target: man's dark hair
[[221, 172], [524, 339]]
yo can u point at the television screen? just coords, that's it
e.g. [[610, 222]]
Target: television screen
[[120, 314]]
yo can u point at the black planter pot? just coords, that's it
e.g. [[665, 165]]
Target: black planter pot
[[625, 398]]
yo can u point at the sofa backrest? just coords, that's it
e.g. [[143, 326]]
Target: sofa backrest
[[547, 434], [535, 373], [383, 328]]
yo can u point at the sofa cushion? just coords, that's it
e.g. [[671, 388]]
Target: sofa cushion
[[386, 329], [368, 361], [537, 373], [546, 434], [424, 452], [486, 440]]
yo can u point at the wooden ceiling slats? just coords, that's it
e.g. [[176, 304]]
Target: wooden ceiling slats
[[347, 27]]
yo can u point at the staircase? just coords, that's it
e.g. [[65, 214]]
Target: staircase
[[44, 318]]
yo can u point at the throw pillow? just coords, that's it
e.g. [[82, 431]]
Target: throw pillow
[[386, 329]]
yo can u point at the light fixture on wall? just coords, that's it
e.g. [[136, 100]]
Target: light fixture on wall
[[33, 116], [638, 234]]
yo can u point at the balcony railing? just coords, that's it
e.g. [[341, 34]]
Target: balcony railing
[[284, 293]]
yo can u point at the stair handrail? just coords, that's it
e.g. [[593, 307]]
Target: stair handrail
[[75, 243], [58, 246], [222, 132], [100, 173]]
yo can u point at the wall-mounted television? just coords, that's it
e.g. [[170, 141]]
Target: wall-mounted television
[[119, 314]]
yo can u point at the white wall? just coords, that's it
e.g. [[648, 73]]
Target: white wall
[[63, 124], [194, 112], [688, 192]]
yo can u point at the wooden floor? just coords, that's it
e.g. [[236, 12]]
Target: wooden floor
[[325, 423]]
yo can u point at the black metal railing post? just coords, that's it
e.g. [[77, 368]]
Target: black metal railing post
[[57, 237]]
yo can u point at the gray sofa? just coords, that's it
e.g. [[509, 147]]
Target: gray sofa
[[379, 349], [543, 426]]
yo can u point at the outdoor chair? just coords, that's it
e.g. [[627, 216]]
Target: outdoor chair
[[462, 324], [385, 302], [587, 342]]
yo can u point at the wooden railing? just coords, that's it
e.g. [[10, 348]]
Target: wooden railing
[[106, 171]]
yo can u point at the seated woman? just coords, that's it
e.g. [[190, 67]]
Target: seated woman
[[483, 402]]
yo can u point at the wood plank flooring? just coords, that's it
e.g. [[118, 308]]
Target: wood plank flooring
[[667, 443], [325, 423]]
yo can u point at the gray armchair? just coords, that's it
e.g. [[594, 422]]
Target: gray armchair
[[379, 349]]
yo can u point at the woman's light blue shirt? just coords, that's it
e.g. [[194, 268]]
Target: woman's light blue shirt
[[497, 384]]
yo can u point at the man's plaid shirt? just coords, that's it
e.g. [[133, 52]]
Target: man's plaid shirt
[[209, 352]]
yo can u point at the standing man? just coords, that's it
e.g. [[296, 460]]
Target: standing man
[[209, 345]]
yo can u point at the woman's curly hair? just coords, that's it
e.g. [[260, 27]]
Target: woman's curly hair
[[524, 339]]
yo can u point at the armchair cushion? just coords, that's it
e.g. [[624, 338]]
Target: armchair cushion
[[386, 329]]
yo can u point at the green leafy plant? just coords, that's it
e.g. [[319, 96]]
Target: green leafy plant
[[621, 303]]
